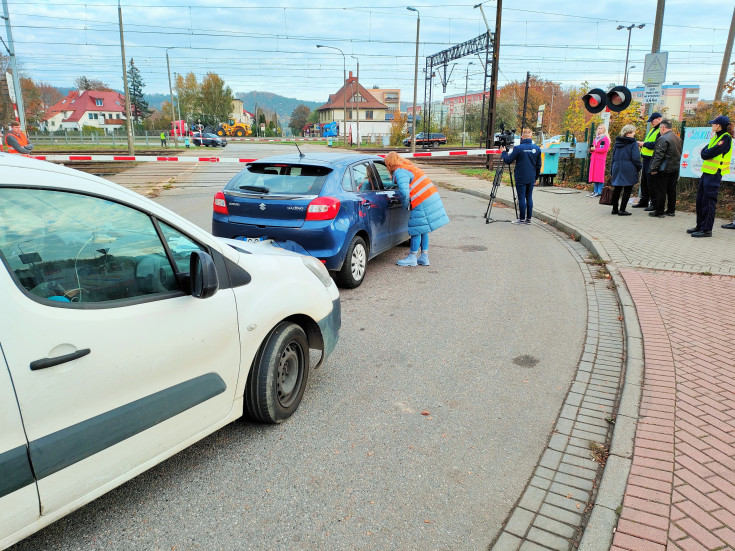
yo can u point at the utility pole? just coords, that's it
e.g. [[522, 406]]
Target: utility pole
[[358, 101], [494, 80], [656, 46], [415, 81], [726, 59], [464, 111], [525, 100], [131, 146], [14, 66], [171, 92], [658, 25]]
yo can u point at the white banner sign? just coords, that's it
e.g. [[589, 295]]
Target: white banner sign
[[695, 140], [652, 93]]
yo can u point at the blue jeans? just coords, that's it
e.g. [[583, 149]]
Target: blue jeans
[[525, 201], [423, 239], [598, 188]]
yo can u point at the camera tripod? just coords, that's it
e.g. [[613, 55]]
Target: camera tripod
[[494, 191]]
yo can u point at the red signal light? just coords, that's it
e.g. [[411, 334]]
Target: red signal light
[[323, 208], [220, 203]]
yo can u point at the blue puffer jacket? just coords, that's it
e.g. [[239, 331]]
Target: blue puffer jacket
[[429, 215]]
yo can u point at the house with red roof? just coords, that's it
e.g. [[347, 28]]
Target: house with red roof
[[374, 117], [81, 108]]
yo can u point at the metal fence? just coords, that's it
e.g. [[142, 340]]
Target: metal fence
[[76, 137]]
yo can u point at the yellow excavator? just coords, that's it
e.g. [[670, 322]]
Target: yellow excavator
[[233, 128]]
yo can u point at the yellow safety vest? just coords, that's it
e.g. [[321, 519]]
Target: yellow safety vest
[[721, 162], [652, 135]]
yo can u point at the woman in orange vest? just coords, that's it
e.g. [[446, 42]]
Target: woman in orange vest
[[16, 141], [419, 195]]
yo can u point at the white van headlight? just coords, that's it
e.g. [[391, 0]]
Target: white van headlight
[[318, 269]]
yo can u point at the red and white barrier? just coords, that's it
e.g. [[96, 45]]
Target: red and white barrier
[[192, 159]]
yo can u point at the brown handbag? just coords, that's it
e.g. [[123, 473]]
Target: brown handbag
[[606, 195]]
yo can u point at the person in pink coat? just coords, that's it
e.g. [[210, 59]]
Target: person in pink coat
[[598, 157]]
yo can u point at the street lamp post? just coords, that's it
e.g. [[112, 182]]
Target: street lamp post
[[627, 51], [344, 79], [464, 113], [415, 80], [171, 93], [626, 74], [358, 100]]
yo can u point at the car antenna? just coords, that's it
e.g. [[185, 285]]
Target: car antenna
[[301, 155]]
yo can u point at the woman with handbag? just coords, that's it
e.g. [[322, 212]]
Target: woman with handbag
[[626, 164], [598, 158]]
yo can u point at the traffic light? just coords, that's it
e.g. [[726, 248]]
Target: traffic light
[[617, 99], [594, 100]]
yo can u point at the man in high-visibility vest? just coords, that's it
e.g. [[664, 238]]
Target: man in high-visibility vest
[[715, 164], [647, 146], [16, 141]]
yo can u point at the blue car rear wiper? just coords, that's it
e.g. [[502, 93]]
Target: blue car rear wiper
[[261, 189]]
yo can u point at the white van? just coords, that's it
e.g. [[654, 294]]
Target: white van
[[127, 334]]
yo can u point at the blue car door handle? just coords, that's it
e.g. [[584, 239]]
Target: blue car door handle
[[43, 363]]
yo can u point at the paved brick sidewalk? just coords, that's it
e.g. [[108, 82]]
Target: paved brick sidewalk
[[681, 488], [676, 476]]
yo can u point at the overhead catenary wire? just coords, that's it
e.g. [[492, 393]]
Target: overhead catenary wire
[[272, 58]]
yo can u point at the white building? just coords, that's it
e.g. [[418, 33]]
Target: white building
[[86, 108]]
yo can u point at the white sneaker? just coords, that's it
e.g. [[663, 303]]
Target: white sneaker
[[519, 221]]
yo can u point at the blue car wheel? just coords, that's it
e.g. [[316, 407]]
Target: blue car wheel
[[353, 269]]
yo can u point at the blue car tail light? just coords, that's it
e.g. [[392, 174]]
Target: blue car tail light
[[220, 203], [322, 208]]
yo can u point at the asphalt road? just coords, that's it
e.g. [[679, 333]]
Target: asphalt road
[[420, 431]]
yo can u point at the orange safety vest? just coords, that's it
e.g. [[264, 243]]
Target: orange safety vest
[[22, 141], [421, 187]]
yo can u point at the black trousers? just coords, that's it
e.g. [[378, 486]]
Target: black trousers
[[645, 181], [616, 196], [707, 190], [663, 191]]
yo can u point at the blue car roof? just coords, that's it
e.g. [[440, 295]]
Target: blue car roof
[[331, 160]]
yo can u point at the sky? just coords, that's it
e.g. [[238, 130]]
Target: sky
[[272, 46]]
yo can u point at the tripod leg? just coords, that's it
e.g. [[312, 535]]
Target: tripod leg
[[493, 192], [513, 187]]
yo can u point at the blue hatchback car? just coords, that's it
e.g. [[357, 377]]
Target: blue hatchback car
[[341, 208]]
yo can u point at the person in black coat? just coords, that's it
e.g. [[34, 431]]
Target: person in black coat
[[665, 171], [626, 164]]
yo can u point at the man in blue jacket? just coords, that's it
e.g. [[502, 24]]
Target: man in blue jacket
[[527, 156]]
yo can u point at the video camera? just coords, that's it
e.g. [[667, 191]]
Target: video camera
[[505, 138]]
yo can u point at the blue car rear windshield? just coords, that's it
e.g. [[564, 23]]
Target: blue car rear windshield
[[280, 179]]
